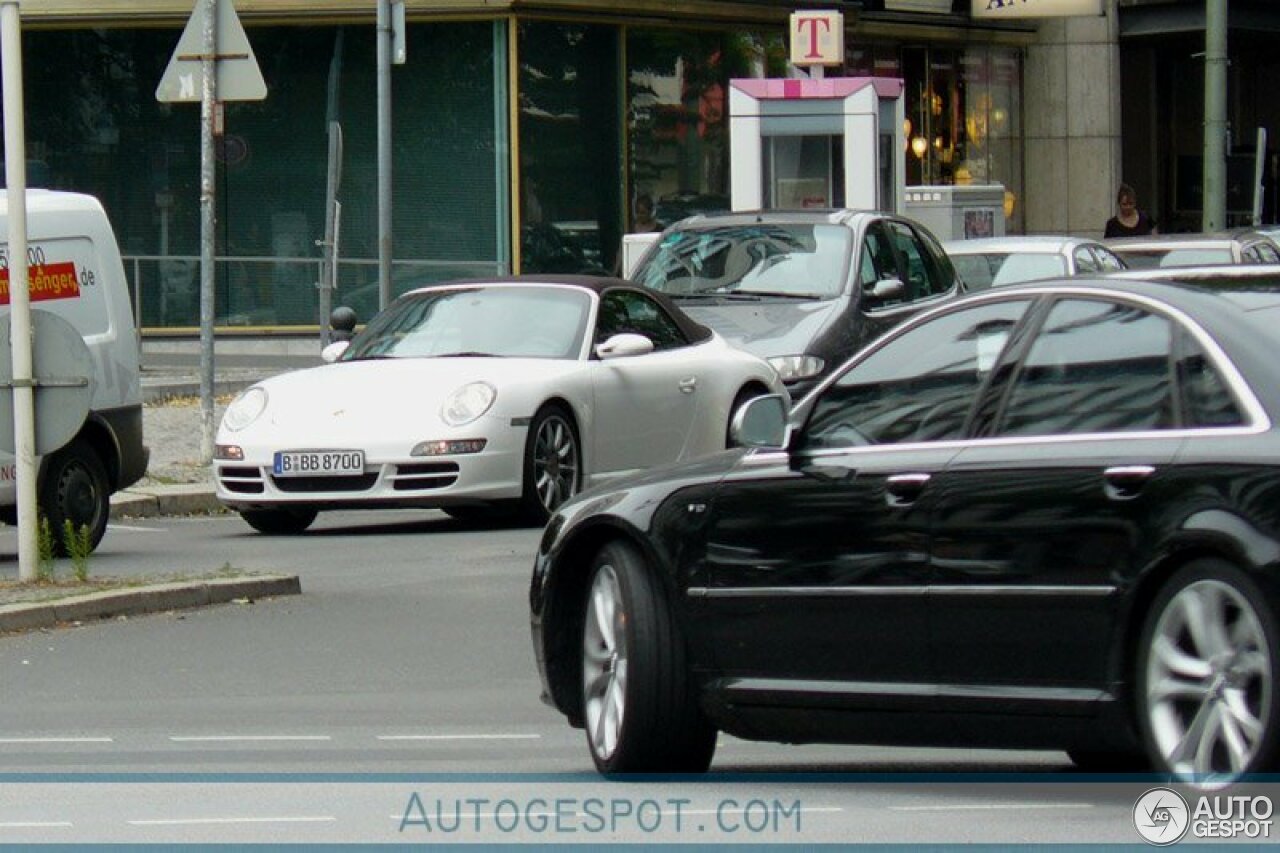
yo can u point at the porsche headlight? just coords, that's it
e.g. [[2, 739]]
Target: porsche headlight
[[468, 403], [245, 409], [793, 367]]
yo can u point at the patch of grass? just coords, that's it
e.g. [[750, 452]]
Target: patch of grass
[[44, 551], [79, 544]]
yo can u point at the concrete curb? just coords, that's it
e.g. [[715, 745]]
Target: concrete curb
[[154, 598], [194, 499]]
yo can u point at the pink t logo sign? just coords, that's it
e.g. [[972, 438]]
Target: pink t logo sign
[[812, 24]]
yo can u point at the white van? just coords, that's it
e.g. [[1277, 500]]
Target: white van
[[75, 271]]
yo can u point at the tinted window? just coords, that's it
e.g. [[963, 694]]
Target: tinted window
[[795, 259], [629, 311], [1085, 261], [1094, 367], [1206, 397], [918, 387], [1107, 261], [923, 271], [877, 260]]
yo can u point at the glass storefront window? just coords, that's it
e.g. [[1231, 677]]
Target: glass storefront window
[[94, 125], [962, 125], [570, 161], [678, 115]]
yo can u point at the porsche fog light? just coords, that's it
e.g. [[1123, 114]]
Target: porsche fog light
[[448, 447], [793, 367], [245, 409], [468, 403]]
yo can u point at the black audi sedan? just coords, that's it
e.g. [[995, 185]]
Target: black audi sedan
[[1044, 516]]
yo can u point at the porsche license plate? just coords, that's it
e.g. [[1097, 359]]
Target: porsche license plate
[[313, 463]]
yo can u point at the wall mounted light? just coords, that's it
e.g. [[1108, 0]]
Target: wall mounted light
[[919, 145]]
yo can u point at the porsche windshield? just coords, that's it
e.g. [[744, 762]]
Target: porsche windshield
[[507, 321], [768, 259]]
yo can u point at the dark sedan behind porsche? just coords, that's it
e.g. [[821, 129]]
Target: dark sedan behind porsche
[[1043, 516]]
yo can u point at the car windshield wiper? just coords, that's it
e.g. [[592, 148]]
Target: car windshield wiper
[[770, 294], [464, 354]]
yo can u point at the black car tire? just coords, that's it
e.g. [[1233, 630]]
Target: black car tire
[[638, 664], [279, 522], [75, 489], [552, 463], [1234, 679]]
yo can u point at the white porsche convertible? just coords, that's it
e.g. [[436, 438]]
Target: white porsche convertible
[[473, 396]]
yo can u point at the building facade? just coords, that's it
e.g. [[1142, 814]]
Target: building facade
[[525, 134]]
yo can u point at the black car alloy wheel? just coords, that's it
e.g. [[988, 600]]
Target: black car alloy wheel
[[637, 697], [1207, 675]]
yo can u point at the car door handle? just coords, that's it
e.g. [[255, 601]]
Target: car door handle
[[1126, 481], [688, 386], [904, 489]]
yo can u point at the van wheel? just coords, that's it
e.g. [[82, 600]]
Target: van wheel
[[279, 522], [74, 489], [638, 698]]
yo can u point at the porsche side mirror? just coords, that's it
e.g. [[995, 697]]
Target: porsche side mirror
[[760, 422], [624, 344], [334, 351]]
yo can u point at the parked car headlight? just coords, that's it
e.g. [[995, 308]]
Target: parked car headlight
[[468, 403], [245, 409], [793, 367]]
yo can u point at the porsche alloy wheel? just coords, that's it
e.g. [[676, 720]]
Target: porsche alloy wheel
[[552, 462]]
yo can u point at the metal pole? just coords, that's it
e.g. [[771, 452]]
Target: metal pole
[[384, 153], [15, 175], [208, 102], [1215, 115], [329, 266]]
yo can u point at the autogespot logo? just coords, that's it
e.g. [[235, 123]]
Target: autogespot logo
[[1161, 816]]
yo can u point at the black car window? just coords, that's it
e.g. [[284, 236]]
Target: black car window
[[1207, 400], [631, 311], [919, 386], [1094, 366]]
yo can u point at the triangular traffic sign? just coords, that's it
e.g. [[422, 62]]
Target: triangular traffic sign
[[236, 76]]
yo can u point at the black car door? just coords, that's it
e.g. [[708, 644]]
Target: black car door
[[817, 559], [1036, 523]]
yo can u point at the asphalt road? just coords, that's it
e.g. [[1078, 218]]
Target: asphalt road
[[407, 656]]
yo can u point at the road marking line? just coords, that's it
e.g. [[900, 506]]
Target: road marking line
[[461, 737], [55, 740], [135, 529], [232, 738], [972, 807], [35, 824], [216, 821]]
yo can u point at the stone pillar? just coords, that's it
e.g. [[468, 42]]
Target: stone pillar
[[1071, 104]]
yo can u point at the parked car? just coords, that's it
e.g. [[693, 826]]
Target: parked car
[[471, 395], [1044, 516], [1239, 246], [803, 289], [1258, 276], [997, 261]]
